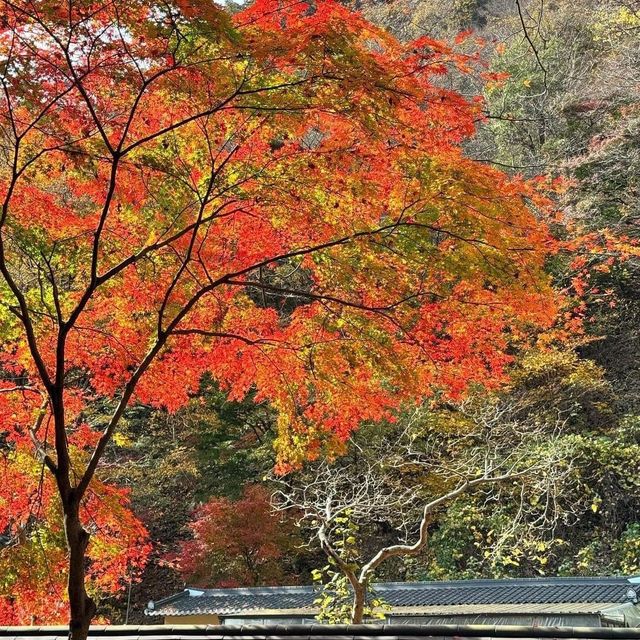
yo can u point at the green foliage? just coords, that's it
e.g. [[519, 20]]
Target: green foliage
[[597, 504], [336, 597], [172, 463], [238, 449], [211, 447]]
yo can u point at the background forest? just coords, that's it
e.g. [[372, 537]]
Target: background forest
[[561, 84], [567, 105]]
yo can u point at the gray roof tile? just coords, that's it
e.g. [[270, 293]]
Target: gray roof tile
[[397, 594]]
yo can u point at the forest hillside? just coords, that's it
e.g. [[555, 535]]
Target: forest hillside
[[566, 104], [554, 89]]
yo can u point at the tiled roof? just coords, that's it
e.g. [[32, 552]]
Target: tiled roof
[[546, 608], [404, 595]]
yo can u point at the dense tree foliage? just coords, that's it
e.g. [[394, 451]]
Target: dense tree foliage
[[582, 524], [525, 481], [239, 543], [33, 563], [224, 233], [174, 462], [278, 198], [564, 104]]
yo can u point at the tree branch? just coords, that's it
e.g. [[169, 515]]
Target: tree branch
[[415, 548]]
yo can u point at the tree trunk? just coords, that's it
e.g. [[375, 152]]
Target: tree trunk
[[357, 612], [82, 607]]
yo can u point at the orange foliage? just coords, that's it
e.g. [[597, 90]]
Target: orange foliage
[[172, 169]]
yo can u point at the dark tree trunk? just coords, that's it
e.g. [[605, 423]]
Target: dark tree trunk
[[82, 607]]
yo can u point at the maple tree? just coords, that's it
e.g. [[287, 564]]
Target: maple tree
[[279, 198], [238, 543], [33, 562]]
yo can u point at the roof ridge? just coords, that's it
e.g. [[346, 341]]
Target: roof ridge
[[435, 584], [493, 582], [302, 588], [426, 593]]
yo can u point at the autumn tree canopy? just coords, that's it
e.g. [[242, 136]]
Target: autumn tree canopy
[[240, 542], [278, 198]]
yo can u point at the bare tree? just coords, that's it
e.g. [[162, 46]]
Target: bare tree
[[407, 480]]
